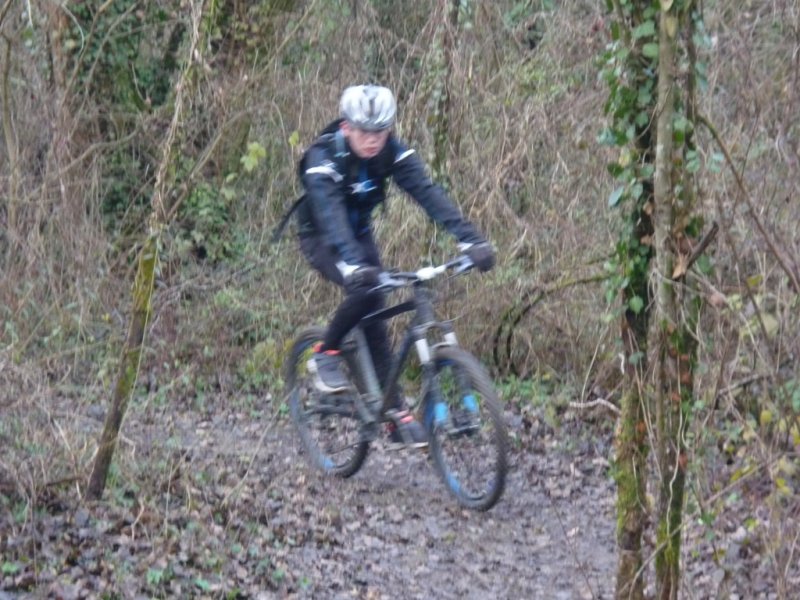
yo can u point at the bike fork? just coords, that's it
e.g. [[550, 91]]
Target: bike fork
[[434, 408], [436, 411]]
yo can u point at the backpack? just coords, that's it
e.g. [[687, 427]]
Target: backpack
[[326, 136]]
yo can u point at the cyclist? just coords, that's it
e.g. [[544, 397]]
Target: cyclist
[[344, 174]]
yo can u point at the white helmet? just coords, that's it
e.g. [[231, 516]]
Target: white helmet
[[368, 107]]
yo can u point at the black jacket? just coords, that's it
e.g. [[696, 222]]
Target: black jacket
[[342, 190]]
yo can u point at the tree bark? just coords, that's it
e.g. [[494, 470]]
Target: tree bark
[[11, 146], [671, 335], [632, 445], [631, 510], [631, 439], [128, 368], [441, 129]]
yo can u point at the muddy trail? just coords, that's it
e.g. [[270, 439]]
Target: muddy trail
[[395, 532], [222, 504]]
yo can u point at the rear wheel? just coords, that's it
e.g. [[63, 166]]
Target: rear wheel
[[328, 424], [468, 438]]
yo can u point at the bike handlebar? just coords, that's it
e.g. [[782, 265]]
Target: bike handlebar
[[393, 281]]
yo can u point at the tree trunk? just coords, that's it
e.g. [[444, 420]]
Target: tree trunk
[[128, 368], [632, 446], [441, 128], [10, 138], [631, 510], [659, 395], [631, 439], [671, 334]]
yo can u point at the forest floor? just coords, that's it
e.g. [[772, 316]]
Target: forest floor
[[219, 503]]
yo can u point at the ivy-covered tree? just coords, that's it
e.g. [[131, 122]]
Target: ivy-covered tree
[[629, 71], [650, 69]]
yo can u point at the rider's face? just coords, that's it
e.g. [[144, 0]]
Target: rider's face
[[365, 144]]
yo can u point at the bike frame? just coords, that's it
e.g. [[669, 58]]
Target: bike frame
[[416, 334]]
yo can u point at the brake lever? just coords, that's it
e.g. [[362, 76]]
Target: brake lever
[[386, 280], [463, 264], [387, 283]]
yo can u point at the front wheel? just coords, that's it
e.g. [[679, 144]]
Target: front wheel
[[468, 437], [328, 424]]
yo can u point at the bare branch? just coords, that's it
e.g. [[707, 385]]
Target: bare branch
[[785, 262], [698, 250], [4, 11]]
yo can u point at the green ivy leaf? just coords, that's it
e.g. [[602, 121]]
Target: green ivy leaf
[[645, 29], [754, 281], [257, 150], [692, 161], [704, 264], [606, 138], [615, 33], [647, 171], [792, 387], [650, 50], [255, 153], [636, 358], [154, 576], [715, 166], [636, 304], [615, 169]]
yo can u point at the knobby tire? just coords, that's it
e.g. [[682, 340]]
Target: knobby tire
[[467, 434], [327, 424]]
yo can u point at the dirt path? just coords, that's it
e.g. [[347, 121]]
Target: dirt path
[[393, 531], [224, 506], [218, 502], [397, 533]]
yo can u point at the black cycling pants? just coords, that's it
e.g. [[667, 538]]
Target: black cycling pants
[[356, 304]]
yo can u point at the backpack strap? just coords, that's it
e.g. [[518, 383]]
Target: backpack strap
[[277, 233], [333, 137]]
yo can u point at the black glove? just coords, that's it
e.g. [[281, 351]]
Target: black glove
[[481, 254], [363, 278]]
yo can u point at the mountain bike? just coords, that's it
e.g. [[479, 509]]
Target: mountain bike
[[459, 408]]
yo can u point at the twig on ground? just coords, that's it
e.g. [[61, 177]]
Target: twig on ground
[[596, 402]]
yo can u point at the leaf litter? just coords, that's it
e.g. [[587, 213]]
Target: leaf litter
[[223, 505]]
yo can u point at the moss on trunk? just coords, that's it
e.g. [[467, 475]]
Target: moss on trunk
[[128, 368], [631, 508]]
